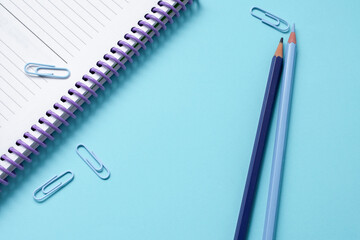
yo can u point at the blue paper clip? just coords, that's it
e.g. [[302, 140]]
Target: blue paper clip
[[275, 25], [37, 67], [49, 193], [96, 170]]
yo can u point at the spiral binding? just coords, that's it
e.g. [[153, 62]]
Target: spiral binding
[[89, 85]]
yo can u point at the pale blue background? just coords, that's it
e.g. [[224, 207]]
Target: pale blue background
[[177, 129]]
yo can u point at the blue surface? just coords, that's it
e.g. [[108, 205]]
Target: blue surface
[[176, 131]]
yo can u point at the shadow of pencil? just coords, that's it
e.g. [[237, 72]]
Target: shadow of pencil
[[77, 125]]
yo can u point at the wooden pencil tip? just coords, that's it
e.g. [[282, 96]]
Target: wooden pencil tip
[[292, 38], [279, 50]]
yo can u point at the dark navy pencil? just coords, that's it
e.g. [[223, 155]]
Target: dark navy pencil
[[259, 145]]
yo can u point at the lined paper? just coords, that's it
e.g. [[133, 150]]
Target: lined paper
[[66, 33], [57, 27]]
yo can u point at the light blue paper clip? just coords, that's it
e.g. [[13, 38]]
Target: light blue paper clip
[[275, 25], [96, 170], [49, 193], [37, 67]]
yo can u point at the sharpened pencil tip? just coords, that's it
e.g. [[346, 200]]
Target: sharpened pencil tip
[[279, 49], [292, 38]]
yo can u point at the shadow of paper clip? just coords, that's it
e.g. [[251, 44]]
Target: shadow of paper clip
[[48, 193], [97, 170], [275, 25]]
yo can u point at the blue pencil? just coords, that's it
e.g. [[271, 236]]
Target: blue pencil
[[280, 139], [259, 144]]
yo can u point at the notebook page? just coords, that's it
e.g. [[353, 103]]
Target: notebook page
[[74, 34]]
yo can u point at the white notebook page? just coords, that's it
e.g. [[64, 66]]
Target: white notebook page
[[66, 33]]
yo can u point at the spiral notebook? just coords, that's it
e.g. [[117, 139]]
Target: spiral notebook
[[94, 39]]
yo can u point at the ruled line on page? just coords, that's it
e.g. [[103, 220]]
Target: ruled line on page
[[71, 20], [11, 98], [17, 79], [14, 89], [108, 7], [3, 116], [117, 3], [48, 22], [90, 14], [33, 33], [12, 51], [80, 17], [42, 29], [98, 10], [7, 107], [16, 54], [61, 22], [17, 67]]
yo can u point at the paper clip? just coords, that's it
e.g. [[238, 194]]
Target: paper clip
[[96, 170], [275, 25], [49, 193], [37, 67]]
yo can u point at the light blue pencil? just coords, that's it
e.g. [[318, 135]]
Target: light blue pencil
[[280, 138]]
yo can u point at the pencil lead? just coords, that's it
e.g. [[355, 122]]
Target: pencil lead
[[293, 28], [282, 40]]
